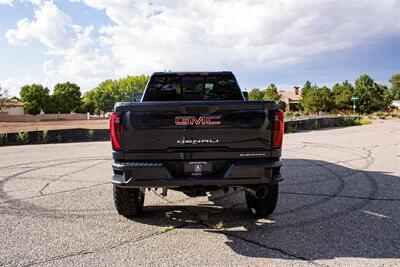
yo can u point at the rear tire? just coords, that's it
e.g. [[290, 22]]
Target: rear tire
[[260, 207], [128, 201]]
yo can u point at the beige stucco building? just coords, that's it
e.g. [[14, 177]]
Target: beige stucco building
[[13, 107], [291, 99]]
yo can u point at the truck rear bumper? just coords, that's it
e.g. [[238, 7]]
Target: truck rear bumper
[[150, 174]]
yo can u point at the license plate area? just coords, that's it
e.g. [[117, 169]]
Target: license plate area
[[198, 168]]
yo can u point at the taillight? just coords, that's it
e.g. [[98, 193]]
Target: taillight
[[115, 131], [277, 130]]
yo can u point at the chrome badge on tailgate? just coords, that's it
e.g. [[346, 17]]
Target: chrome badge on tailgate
[[197, 141], [201, 120]]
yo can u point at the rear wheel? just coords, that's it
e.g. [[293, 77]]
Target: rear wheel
[[264, 206], [128, 201]]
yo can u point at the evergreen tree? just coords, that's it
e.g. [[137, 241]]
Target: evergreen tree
[[342, 93], [271, 93], [371, 96], [256, 94]]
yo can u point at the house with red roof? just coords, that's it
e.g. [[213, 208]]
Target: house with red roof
[[291, 99]]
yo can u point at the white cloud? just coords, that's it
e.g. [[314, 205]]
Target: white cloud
[[6, 2], [148, 36], [222, 34], [73, 51], [13, 85], [51, 26], [11, 2]]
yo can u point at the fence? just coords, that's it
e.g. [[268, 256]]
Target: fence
[[5, 117]]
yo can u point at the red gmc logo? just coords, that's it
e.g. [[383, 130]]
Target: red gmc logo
[[202, 120]]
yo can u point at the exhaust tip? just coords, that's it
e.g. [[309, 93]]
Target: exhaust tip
[[261, 192]]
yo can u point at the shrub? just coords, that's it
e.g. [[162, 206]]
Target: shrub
[[364, 121], [3, 139], [315, 125], [288, 114], [90, 134], [22, 138], [297, 114], [291, 129], [382, 114], [350, 121], [43, 137]]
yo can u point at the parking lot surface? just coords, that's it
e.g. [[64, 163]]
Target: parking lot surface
[[339, 206]]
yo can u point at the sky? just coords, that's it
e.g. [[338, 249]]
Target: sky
[[262, 42]]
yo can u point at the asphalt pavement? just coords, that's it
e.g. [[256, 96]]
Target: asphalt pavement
[[339, 205]]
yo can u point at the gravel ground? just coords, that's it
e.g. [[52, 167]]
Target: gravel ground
[[339, 206]]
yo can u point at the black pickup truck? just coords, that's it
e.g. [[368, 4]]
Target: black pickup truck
[[196, 132]]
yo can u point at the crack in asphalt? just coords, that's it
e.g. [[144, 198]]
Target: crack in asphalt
[[3, 195], [55, 193], [67, 174], [86, 252], [227, 233], [276, 249]]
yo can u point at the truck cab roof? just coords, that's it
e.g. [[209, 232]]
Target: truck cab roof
[[192, 73]]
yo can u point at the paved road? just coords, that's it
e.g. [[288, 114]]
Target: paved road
[[339, 206]]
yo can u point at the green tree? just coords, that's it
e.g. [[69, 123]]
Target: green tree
[[395, 86], [106, 101], [371, 96], [271, 93], [325, 99], [67, 97], [387, 96], [88, 102], [256, 94], [129, 85], [317, 99], [103, 98], [307, 87], [35, 97], [52, 106], [342, 93]]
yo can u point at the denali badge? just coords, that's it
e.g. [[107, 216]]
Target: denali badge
[[202, 120], [197, 141]]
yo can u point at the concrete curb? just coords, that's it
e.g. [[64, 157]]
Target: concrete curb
[[311, 123]]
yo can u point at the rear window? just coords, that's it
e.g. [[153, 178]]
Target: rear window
[[187, 88]]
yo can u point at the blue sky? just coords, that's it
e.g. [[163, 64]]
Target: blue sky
[[281, 42]]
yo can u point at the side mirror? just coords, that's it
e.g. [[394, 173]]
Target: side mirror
[[137, 97], [246, 95]]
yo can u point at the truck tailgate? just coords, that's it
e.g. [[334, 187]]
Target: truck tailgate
[[195, 129]]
